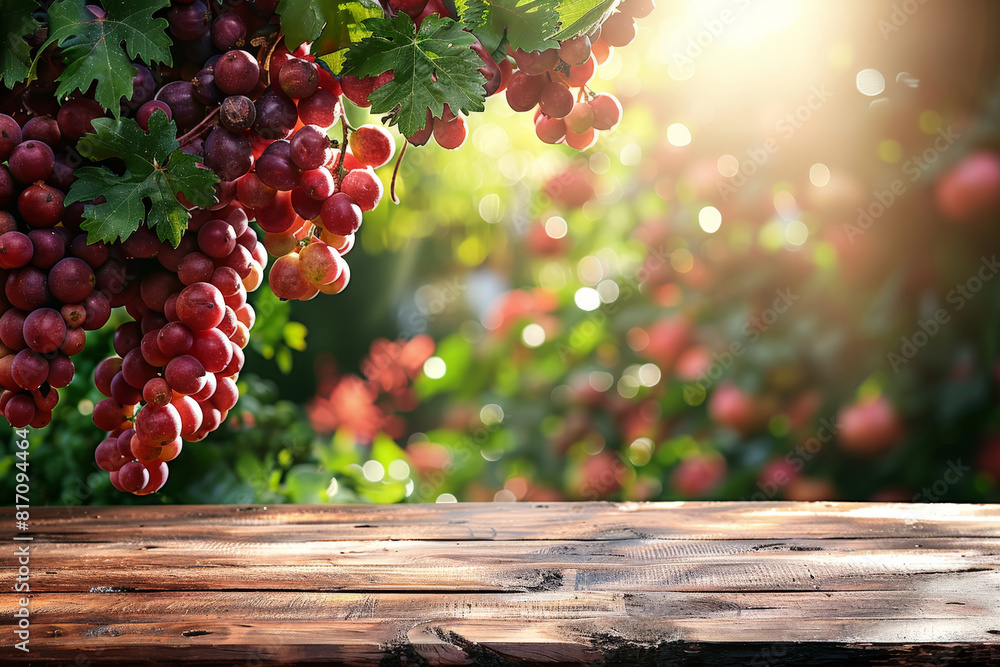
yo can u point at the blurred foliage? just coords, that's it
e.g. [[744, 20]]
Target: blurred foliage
[[764, 284]]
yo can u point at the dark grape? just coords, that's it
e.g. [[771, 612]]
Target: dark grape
[[236, 73], [189, 21], [237, 113], [228, 154]]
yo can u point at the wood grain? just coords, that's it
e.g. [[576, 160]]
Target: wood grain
[[499, 584]]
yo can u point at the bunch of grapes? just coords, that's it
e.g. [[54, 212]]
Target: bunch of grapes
[[546, 79]]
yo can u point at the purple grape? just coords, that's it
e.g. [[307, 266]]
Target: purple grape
[[227, 154]]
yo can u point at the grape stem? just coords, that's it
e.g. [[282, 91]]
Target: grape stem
[[199, 128], [343, 150], [395, 170]]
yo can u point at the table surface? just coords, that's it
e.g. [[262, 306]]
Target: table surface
[[504, 583]]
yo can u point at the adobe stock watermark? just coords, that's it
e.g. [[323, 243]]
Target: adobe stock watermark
[[785, 128], [952, 476], [710, 30], [750, 332], [912, 169], [958, 297], [899, 16]]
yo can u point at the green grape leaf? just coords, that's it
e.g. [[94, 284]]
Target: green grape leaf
[[156, 169], [329, 26], [15, 59], [102, 50], [440, 49], [529, 23], [578, 17]]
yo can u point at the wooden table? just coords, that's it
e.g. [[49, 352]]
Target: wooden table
[[494, 583]]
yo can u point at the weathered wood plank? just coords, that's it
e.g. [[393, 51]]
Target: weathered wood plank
[[532, 521], [179, 564], [573, 583]]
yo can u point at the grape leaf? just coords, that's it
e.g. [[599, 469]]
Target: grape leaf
[[102, 50], [529, 23], [579, 17], [156, 169], [15, 59], [439, 50], [329, 25]]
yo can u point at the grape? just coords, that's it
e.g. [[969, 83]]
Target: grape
[[27, 288], [133, 476], [190, 414], [29, 369], [228, 30], [253, 193], [227, 154], [205, 90], [341, 215], [143, 451], [12, 329], [298, 78], [637, 9], [211, 347], [123, 392], [226, 394], [76, 340], [607, 111], [237, 113], [618, 30], [580, 118], [49, 247], [216, 239], [10, 136], [157, 286], [76, 118], [157, 424], [98, 311], [136, 370], [340, 284], [237, 73], [449, 134], [126, 338], [186, 109], [188, 21], [185, 374], [16, 250], [200, 306], [372, 145], [285, 279], [556, 100], [143, 87], [275, 167], [105, 372], [550, 130], [174, 339], [535, 63], [579, 75], [317, 183], [31, 161], [44, 330], [109, 414], [19, 411], [276, 116], [108, 457], [151, 352], [322, 109], [44, 129], [71, 280], [524, 91], [575, 51], [278, 216], [63, 176], [146, 110], [196, 268], [581, 140], [6, 186], [364, 187], [310, 148], [319, 263]]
